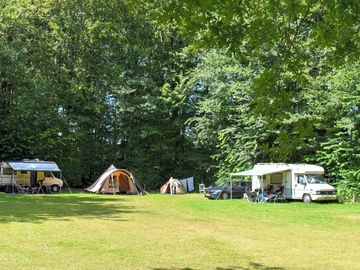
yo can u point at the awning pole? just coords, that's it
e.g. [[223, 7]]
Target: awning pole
[[62, 177], [231, 191], [262, 186], [12, 184], [1, 171]]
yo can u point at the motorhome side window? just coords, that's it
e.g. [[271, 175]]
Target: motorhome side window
[[301, 179], [7, 171]]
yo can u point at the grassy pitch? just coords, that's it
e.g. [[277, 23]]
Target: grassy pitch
[[181, 232]]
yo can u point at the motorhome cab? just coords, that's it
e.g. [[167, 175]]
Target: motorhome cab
[[297, 181], [29, 173]]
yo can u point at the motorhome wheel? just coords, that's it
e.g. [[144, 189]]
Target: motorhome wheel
[[55, 188], [307, 198]]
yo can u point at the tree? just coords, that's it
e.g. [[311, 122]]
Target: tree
[[88, 84], [334, 101]]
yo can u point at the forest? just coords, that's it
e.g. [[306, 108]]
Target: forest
[[181, 88]]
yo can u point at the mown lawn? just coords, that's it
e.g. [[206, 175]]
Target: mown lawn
[[84, 231]]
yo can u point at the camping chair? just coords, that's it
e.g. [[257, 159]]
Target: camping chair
[[20, 189], [251, 196], [271, 197], [40, 187], [277, 196], [202, 188], [47, 189], [34, 190], [261, 198], [43, 189]]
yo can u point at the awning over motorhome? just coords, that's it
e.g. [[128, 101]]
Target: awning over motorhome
[[42, 166], [260, 171]]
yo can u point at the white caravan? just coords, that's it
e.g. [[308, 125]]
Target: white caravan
[[299, 181]]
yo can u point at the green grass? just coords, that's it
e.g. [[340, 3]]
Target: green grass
[[184, 232]]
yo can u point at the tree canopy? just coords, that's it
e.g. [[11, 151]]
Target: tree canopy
[[181, 88]]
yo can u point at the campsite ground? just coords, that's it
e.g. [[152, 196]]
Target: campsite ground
[[183, 232]]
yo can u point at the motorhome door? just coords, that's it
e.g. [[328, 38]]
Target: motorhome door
[[33, 178], [300, 186]]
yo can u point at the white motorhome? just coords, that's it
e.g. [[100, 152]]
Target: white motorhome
[[29, 173], [298, 181]]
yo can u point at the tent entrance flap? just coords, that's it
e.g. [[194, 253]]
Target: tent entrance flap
[[124, 183]]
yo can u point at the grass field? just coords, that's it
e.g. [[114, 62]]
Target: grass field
[[184, 232]]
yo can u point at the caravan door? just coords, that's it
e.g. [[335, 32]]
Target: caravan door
[[300, 186]]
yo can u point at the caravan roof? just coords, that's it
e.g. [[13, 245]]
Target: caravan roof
[[270, 168]]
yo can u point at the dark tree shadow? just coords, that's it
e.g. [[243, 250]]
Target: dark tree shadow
[[39, 208], [250, 266]]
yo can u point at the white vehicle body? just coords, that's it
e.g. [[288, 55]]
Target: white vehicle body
[[299, 181], [30, 173]]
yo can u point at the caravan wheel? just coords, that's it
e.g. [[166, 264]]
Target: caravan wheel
[[55, 188], [307, 198]]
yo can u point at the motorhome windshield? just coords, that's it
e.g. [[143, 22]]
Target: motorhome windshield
[[315, 179]]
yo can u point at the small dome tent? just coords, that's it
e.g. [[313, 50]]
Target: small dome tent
[[173, 186], [116, 181]]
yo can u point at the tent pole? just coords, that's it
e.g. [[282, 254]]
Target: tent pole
[[112, 183]]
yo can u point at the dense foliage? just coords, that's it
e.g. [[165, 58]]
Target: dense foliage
[[181, 88], [88, 84]]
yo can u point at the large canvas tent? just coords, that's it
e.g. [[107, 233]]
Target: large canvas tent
[[173, 186], [116, 181]]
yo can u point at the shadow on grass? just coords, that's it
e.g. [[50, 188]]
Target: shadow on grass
[[251, 266], [39, 208]]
